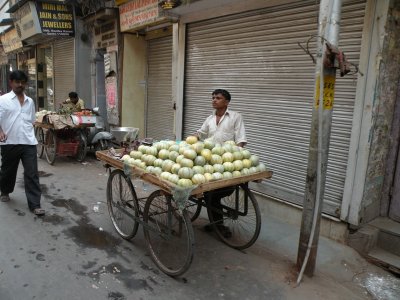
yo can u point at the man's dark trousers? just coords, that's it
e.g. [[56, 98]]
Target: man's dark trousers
[[11, 155], [213, 200]]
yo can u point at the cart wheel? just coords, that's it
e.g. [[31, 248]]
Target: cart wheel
[[193, 207], [122, 204], [51, 146], [241, 215], [39, 134], [169, 234], [82, 147]]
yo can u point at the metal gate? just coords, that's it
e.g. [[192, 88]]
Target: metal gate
[[256, 57], [64, 69], [159, 108]]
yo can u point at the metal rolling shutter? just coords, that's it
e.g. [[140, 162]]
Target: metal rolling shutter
[[255, 56], [64, 69], [159, 112]]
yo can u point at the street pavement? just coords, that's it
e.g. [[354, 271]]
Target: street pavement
[[74, 253]]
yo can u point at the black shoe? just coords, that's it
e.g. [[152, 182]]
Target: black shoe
[[208, 228], [4, 198], [225, 231]]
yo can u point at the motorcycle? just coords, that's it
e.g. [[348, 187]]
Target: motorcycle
[[97, 136]]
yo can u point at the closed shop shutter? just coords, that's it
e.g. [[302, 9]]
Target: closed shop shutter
[[159, 112], [255, 56], [64, 69]]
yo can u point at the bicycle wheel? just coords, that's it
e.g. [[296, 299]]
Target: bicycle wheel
[[122, 204], [169, 234], [51, 146], [193, 207], [82, 147], [39, 134], [241, 215]]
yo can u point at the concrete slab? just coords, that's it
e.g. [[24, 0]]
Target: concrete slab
[[385, 256], [387, 225]]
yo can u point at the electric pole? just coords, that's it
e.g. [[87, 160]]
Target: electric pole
[[325, 75]]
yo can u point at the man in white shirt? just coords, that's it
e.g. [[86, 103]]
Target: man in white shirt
[[223, 125], [18, 143]]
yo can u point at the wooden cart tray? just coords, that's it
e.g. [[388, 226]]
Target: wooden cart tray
[[43, 125], [49, 125], [169, 186]]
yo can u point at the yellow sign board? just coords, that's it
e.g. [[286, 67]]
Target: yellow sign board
[[328, 91]]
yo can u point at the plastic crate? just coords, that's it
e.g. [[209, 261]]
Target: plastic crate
[[67, 149]]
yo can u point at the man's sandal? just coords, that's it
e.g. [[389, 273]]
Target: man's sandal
[[38, 211]]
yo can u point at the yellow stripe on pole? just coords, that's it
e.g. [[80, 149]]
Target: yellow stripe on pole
[[329, 91]]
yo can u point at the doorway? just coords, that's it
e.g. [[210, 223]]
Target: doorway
[[159, 107], [100, 85]]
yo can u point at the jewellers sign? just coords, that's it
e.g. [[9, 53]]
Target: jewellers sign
[[46, 18], [139, 13], [55, 19]]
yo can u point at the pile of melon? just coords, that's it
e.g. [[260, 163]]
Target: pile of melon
[[194, 162]]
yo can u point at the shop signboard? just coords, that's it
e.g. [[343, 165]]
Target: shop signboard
[[47, 18], [112, 100], [139, 13], [106, 34], [26, 21], [11, 41], [56, 19]]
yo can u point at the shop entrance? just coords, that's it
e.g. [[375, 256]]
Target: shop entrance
[[100, 85], [159, 106], [45, 81]]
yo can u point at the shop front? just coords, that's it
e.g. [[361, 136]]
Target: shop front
[[147, 69], [104, 24], [252, 49], [253, 52], [255, 55]]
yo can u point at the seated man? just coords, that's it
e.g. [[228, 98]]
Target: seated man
[[74, 102]]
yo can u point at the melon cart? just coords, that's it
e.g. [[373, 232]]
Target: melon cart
[[166, 215]]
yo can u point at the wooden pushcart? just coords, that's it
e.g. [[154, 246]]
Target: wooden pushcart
[[53, 141], [167, 213]]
